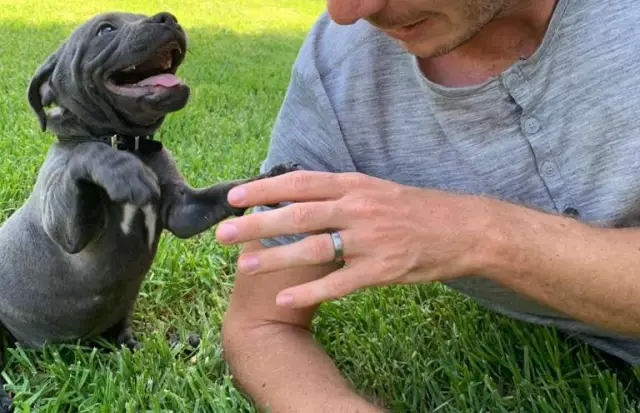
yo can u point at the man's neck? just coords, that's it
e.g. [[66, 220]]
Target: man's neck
[[515, 34]]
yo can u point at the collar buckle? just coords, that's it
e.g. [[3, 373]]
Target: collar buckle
[[115, 141]]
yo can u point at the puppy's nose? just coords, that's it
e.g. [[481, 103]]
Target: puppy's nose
[[164, 18]]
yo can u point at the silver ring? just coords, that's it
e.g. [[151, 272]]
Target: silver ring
[[338, 247]]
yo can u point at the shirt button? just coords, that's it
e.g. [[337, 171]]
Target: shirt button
[[571, 212], [531, 125], [548, 169], [511, 80]]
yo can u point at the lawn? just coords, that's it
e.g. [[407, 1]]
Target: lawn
[[414, 349]]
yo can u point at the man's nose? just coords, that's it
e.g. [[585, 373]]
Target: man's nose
[[350, 11]]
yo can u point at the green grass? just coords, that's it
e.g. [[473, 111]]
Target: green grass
[[411, 348]]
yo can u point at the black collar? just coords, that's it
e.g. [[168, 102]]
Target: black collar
[[138, 144]]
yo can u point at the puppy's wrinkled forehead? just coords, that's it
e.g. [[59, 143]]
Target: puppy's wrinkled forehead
[[114, 33], [115, 19], [101, 24]]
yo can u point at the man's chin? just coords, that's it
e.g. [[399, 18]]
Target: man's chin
[[426, 50]]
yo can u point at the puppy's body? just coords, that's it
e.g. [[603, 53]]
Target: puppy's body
[[73, 257]]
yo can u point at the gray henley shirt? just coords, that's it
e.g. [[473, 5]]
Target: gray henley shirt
[[558, 130]]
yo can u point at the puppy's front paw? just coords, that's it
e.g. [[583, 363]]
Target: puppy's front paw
[[127, 180], [282, 169]]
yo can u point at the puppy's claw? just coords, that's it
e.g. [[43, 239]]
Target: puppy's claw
[[282, 169], [127, 339], [133, 345], [238, 212]]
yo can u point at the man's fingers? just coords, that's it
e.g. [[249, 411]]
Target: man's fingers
[[335, 285], [292, 219], [297, 186], [311, 250]]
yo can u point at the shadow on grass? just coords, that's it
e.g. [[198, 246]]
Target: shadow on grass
[[414, 348]]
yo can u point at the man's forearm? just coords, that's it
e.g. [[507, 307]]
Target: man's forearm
[[589, 273], [285, 371]]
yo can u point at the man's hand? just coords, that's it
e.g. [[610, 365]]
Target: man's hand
[[391, 233], [399, 234]]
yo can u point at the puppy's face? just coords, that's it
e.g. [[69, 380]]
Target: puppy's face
[[116, 73], [140, 58]]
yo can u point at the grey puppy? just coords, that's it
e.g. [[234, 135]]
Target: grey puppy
[[74, 255]]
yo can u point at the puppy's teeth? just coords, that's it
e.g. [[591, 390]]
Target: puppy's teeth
[[130, 68]]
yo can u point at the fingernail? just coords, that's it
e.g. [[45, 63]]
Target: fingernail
[[249, 263], [227, 232], [284, 299], [236, 195]]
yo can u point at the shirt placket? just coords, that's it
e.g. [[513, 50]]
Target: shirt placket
[[533, 131]]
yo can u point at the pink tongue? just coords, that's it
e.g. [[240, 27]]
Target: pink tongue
[[166, 80]]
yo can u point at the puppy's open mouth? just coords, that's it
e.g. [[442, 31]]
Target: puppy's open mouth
[[157, 70]]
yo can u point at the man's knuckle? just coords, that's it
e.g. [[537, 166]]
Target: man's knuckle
[[320, 250], [259, 191], [300, 217], [362, 205], [255, 226], [368, 238], [398, 191], [298, 181], [353, 179], [349, 207]]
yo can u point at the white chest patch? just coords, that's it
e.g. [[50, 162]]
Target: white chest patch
[[129, 211], [150, 219]]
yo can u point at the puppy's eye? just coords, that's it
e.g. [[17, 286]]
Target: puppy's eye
[[105, 28]]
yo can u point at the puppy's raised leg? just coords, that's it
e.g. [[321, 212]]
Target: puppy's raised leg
[[189, 211], [74, 183]]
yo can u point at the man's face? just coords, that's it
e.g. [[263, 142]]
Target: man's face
[[426, 28]]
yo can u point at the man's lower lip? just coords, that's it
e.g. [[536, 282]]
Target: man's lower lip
[[407, 32]]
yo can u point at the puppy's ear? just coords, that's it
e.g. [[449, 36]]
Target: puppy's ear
[[40, 93]]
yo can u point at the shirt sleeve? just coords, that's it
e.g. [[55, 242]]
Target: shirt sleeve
[[307, 132]]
